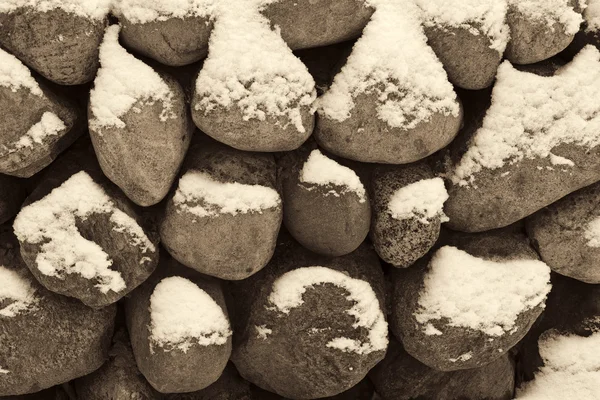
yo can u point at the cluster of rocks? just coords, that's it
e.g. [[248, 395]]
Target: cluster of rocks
[[224, 200]]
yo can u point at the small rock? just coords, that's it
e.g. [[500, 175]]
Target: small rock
[[141, 143], [83, 239], [540, 30], [326, 205], [465, 306], [46, 339], [224, 217], [59, 39], [179, 329], [12, 194], [339, 20], [402, 377], [310, 326], [118, 378], [407, 212], [36, 124]]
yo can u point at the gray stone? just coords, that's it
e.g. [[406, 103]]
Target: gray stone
[[229, 386], [288, 353]]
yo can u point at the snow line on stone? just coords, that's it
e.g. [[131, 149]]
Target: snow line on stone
[[15, 75], [17, 292], [550, 12], [144, 11], [48, 125], [423, 200], [91, 9]]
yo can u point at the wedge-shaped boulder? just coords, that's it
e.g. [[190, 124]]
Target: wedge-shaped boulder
[[171, 32], [83, 242], [57, 38], [408, 211], [179, 329], [47, 339], [401, 377], [327, 208], [310, 326], [464, 307], [252, 93], [537, 143], [224, 217], [138, 122], [35, 123], [392, 102]]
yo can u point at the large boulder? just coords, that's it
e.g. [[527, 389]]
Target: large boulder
[[310, 326], [470, 301], [327, 207], [36, 124], [179, 329], [46, 339], [224, 217], [57, 39], [141, 141], [407, 212], [392, 102], [537, 143]]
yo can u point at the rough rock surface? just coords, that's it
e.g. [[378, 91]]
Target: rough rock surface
[[400, 242], [133, 256], [229, 386], [12, 194], [300, 352], [61, 46], [226, 242], [328, 218], [401, 377], [49, 339], [175, 367], [567, 234], [118, 378], [338, 21], [448, 346]]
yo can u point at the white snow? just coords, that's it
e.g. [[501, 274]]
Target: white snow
[[423, 200], [182, 314], [48, 125], [18, 291], [592, 232], [143, 11], [262, 331], [287, 294], [251, 67], [550, 12], [530, 115], [463, 357], [432, 330], [571, 368], [91, 9], [121, 82], [4, 371], [322, 170], [485, 17], [392, 61], [211, 198], [14, 74], [592, 15], [558, 160], [479, 294], [51, 224]]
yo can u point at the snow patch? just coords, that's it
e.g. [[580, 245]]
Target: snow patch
[[423, 200], [262, 331], [251, 67], [144, 11], [485, 17], [91, 9], [123, 80], [17, 291], [530, 115], [211, 198], [15, 75], [550, 12], [4, 371], [592, 232], [51, 224], [431, 330], [321, 170], [462, 358], [592, 15], [558, 160], [182, 314], [479, 294], [392, 61], [287, 294], [48, 125]]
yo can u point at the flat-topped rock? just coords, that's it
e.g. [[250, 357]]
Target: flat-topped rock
[[225, 214], [179, 329], [310, 326], [470, 301], [140, 141], [59, 39]]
